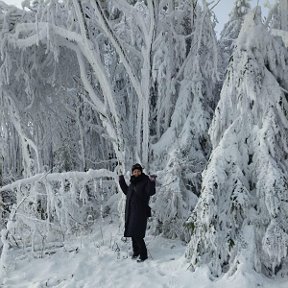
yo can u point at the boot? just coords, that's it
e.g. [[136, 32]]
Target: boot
[[141, 260]]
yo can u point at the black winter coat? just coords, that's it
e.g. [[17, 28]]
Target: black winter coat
[[137, 210]]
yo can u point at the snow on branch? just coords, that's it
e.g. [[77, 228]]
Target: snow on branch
[[118, 47], [50, 206]]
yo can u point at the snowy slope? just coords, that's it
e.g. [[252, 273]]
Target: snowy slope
[[94, 261]]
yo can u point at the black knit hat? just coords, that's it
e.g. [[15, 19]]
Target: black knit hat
[[137, 166]]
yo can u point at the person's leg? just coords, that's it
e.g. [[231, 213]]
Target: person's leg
[[135, 248], [142, 249]]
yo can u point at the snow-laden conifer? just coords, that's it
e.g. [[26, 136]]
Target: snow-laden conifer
[[277, 20], [231, 29], [184, 147], [277, 17], [240, 221]]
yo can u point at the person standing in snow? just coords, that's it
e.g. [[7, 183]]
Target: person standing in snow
[[137, 209]]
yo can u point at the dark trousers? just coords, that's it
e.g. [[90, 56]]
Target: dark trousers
[[139, 248]]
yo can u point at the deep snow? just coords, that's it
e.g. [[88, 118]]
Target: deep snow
[[94, 261]]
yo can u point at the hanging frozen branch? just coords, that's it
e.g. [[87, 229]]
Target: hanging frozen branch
[[104, 24]]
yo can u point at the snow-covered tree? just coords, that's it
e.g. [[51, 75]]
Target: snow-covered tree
[[195, 85], [240, 221], [175, 200], [51, 116], [231, 29], [277, 17], [277, 20], [284, 15], [144, 79]]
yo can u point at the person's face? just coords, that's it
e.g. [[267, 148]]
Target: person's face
[[136, 172]]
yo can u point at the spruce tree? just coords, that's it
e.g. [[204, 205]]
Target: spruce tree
[[187, 134], [240, 220], [232, 29]]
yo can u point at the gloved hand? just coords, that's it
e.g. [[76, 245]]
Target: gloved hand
[[119, 169], [152, 177]]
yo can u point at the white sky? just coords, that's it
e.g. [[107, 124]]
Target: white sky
[[222, 10]]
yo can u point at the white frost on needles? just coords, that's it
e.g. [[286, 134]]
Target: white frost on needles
[[244, 190]]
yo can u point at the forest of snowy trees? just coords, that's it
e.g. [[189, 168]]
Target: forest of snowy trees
[[90, 87]]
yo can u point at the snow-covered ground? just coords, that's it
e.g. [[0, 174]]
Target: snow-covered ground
[[100, 261]]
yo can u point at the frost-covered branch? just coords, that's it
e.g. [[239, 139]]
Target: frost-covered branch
[[118, 47]]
